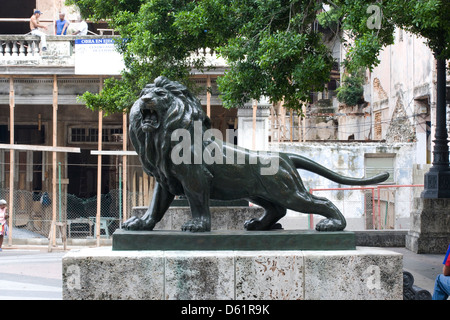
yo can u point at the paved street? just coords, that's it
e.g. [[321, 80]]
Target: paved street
[[30, 274], [423, 267]]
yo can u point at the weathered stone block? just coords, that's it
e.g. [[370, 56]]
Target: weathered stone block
[[367, 274], [364, 273], [430, 226], [193, 275], [269, 275], [101, 274], [222, 218]]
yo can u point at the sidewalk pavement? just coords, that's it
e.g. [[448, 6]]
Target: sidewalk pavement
[[424, 267]]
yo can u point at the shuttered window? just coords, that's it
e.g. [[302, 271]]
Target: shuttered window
[[377, 163], [90, 135]]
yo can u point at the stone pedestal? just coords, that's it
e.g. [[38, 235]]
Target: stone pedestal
[[222, 218], [430, 226], [364, 274]]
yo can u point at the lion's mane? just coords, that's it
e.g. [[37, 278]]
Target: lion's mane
[[154, 148]]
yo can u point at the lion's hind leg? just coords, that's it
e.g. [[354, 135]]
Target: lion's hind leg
[[269, 219], [334, 221]]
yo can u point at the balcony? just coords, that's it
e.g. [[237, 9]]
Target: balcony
[[20, 54]]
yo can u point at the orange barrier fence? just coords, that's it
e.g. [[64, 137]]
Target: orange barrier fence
[[377, 200]]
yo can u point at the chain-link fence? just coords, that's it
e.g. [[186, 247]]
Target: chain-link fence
[[33, 212], [28, 211], [73, 178]]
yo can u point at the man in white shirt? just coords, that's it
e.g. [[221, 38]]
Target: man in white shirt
[[82, 27]]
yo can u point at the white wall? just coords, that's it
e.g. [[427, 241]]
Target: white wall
[[348, 159], [404, 75]]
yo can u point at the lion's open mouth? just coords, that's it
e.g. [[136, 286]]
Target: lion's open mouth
[[150, 119]]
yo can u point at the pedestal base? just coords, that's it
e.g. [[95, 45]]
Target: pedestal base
[[430, 226], [364, 273], [222, 218], [233, 240], [437, 185]]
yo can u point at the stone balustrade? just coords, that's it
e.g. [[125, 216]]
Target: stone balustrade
[[19, 46], [24, 50]]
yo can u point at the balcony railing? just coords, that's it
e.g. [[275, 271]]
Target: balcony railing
[[24, 50], [19, 46]]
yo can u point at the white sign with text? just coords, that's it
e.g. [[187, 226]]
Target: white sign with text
[[97, 57]]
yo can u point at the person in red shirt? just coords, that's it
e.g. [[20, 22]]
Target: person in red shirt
[[442, 283]]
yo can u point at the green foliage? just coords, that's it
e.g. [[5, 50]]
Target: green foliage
[[330, 18], [429, 19], [351, 91], [105, 9], [272, 47], [272, 50], [154, 46]]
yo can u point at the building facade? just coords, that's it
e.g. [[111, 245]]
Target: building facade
[[64, 156], [75, 156]]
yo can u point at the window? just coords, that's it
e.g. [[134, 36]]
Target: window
[[110, 134], [24, 134], [375, 163], [16, 10]]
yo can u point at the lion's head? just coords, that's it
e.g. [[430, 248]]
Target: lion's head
[[168, 104], [163, 106]]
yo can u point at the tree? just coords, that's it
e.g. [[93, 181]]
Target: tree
[[351, 90], [273, 47], [151, 45], [371, 24], [429, 19]]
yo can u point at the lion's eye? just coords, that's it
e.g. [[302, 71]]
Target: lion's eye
[[160, 92]]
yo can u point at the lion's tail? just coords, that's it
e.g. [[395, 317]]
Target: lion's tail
[[309, 165]]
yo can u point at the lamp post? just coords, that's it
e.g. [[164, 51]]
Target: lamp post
[[437, 179]]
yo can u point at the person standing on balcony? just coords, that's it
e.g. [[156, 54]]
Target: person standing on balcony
[[35, 25], [61, 25], [3, 225], [82, 27]]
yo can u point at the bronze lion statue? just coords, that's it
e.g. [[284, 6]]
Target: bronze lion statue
[[162, 122]]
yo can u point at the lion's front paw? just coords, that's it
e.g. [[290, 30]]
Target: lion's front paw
[[135, 223], [196, 225], [330, 225], [253, 224]]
